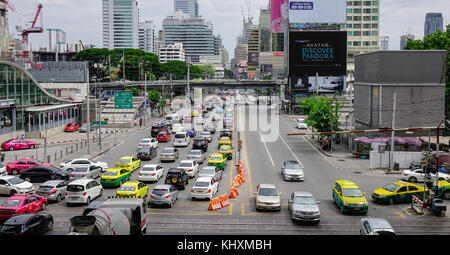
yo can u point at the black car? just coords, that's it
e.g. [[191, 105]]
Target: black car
[[200, 143], [177, 177], [43, 174], [27, 224], [210, 129], [146, 153], [159, 128], [227, 133]]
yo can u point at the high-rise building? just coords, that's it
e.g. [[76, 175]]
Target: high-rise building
[[433, 23], [172, 52], [146, 36], [217, 44], [404, 40], [362, 26], [57, 41], [189, 7], [5, 37], [159, 42], [265, 36], [384, 42], [120, 24], [225, 58], [195, 33], [75, 46]]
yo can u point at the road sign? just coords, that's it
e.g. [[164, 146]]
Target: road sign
[[98, 123], [123, 100]]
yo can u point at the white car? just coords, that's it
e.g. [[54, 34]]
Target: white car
[[80, 162], [83, 191], [418, 175], [216, 117], [3, 170], [148, 142], [181, 139], [301, 124], [151, 172], [177, 128], [206, 135], [189, 166], [11, 185], [204, 187]]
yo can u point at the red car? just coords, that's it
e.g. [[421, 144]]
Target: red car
[[20, 204], [163, 137], [18, 144], [72, 127], [23, 164], [187, 119]]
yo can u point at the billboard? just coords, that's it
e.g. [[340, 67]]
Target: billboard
[[317, 11], [321, 84], [324, 53], [253, 58], [278, 14]]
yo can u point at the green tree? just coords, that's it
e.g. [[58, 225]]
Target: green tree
[[228, 74], [135, 91], [323, 113], [98, 62], [177, 68]]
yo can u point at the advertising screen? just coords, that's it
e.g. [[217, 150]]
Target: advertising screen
[[324, 53], [317, 11]]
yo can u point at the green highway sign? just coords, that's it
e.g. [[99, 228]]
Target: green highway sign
[[98, 123], [123, 100]]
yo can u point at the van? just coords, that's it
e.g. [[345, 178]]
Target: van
[[181, 139], [83, 191], [171, 119]]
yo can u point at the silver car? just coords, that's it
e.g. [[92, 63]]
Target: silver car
[[163, 195], [53, 190], [85, 172], [303, 206], [292, 171], [169, 154], [206, 135], [11, 185], [211, 171], [197, 155], [375, 226]]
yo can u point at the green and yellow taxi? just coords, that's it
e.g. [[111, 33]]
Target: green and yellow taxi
[[114, 177], [195, 113], [226, 151], [397, 192], [129, 163], [442, 189], [348, 196], [218, 160], [132, 190], [225, 140]]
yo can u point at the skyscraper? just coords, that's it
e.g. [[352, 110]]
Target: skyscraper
[[384, 42], [404, 40], [56, 40], [433, 23], [146, 36], [189, 7], [120, 24], [265, 37]]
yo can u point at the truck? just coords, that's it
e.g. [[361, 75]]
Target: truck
[[114, 216]]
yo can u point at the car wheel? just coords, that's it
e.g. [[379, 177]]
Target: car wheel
[[412, 179], [342, 210], [31, 146], [11, 148], [391, 201], [59, 198], [28, 179], [15, 172], [88, 201], [50, 225], [101, 193], [447, 194], [69, 170], [13, 192]]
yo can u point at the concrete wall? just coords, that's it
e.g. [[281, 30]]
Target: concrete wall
[[403, 158]]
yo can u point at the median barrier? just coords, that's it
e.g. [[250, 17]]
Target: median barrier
[[214, 204]]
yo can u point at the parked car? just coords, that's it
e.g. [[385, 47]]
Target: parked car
[[21, 204], [375, 226], [72, 127], [200, 143], [27, 224], [17, 144], [301, 124], [83, 128], [151, 172], [78, 162], [267, 197], [163, 195], [85, 172], [181, 139], [83, 191], [146, 153], [177, 177], [418, 175], [148, 142], [54, 190], [190, 166], [207, 136], [132, 190], [11, 185], [303, 206], [130, 163], [114, 177], [164, 137], [158, 127], [177, 128], [197, 155], [292, 170], [349, 197], [24, 164], [397, 192], [44, 173], [204, 188], [169, 154], [211, 171], [3, 171]]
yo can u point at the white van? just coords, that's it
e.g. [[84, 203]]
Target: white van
[[83, 191], [181, 139], [172, 118]]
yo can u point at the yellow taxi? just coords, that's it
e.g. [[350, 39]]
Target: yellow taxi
[[349, 197], [397, 192], [132, 190], [227, 151], [224, 141], [218, 160], [130, 163], [114, 177], [195, 113]]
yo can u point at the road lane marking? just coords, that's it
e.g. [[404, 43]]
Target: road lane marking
[[247, 164], [264, 142]]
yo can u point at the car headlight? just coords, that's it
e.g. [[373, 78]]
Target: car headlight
[[344, 203]]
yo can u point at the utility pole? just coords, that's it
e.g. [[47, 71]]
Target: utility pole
[[109, 67], [437, 155], [350, 144], [88, 114], [123, 63], [188, 80], [394, 109]]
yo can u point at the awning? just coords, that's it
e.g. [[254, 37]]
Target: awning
[[48, 108], [445, 140]]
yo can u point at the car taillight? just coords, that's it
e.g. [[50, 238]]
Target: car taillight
[[66, 193], [140, 174], [54, 191], [70, 175], [153, 174], [168, 196], [203, 143], [185, 139], [84, 194], [151, 196], [209, 191], [84, 175], [192, 190], [190, 170]]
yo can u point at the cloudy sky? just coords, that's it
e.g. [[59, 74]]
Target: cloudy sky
[[82, 20]]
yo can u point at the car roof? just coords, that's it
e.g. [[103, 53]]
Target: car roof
[[127, 157], [80, 159], [129, 183], [195, 151], [19, 219], [18, 197], [186, 161], [267, 186], [203, 179], [216, 155], [378, 223], [7, 177], [150, 165], [81, 181], [303, 193], [52, 182], [347, 184], [162, 186]]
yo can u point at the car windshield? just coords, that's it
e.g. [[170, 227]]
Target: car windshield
[[267, 192], [145, 141], [215, 159], [125, 160], [352, 193], [161, 134], [11, 228], [110, 173], [206, 134], [127, 188], [292, 165], [195, 153], [71, 124], [45, 188], [160, 192], [180, 136], [149, 169], [304, 200], [169, 118], [168, 150], [144, 150], [206, 171], [199, 140], [12, 203], [384, 233], [391, 187], [225, 148], [201, 184], [75, 188], [15, 180], [38, 161], [185, 164]]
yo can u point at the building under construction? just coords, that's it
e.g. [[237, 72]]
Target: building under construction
[[5, 37]]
